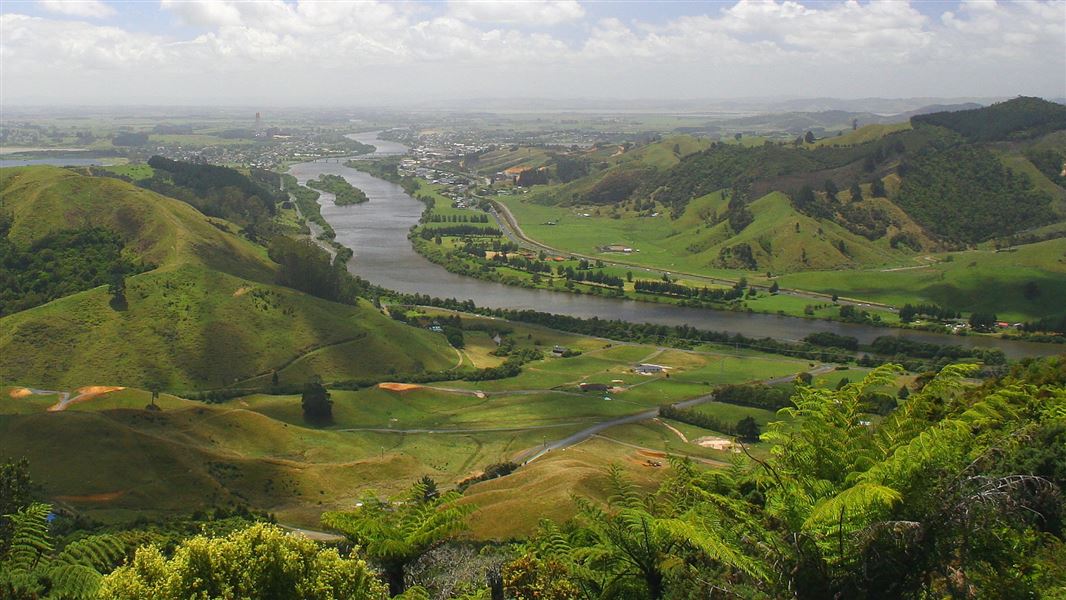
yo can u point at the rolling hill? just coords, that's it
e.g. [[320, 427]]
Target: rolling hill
[[943, 182], [207, 315]]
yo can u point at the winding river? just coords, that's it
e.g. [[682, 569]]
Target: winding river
[[377, 232]]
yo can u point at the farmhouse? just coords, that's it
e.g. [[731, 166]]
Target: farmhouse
[[649, 369], [559, 350]]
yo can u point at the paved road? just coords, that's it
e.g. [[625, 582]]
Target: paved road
[[461, 431], [588, 432]]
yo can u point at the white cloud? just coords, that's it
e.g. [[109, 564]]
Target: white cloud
[[339, 51], [93, 9], [204, 13], [528, 13]]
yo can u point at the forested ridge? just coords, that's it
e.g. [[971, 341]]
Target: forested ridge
[[964, 194], [216, 191], [1020, 118]]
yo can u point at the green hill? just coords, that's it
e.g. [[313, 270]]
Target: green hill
[[943, 181], [1020, 118], [207, 315]]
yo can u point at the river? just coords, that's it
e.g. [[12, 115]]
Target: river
[[377, 233], [56, 161]]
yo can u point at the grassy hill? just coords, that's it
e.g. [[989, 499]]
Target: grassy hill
[[209, 314], [119, 460]]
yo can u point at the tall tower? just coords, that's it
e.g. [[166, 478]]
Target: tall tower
[[258, 124]]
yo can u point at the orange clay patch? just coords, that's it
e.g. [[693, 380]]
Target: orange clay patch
[[103, 497], [241, 291], [399, 387], [21, 392], [84, 394]]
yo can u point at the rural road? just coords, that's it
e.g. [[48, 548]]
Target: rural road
[[510, 227], [461, 431], [588, 432]]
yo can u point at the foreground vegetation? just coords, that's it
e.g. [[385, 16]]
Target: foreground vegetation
[[956, 492]]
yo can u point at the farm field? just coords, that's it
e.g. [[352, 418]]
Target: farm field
[[975, 280], [947, 278], [258, 449]]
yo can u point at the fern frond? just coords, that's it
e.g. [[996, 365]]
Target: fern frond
[[30, 542], [74, 582], [857, 500]]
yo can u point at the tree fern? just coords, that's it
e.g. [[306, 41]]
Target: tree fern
[[394, 533]]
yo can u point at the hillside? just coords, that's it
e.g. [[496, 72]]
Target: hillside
[[941, 182], [207, 314]]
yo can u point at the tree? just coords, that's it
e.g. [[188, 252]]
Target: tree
[[262, 561], [737, 136], [395, 533], [316, 403], [808, 137], [983, 322], [532, 578], [429, 488], [748, 430], [774, 288], [16, 493], [274, 378], [877, 188], [31, 568], [856, 192], [831, 189], [117, 287], [1031, 291], [633, 547], [154, 389], [902, 507]]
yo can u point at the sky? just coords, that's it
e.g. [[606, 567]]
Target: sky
[[373, 53]]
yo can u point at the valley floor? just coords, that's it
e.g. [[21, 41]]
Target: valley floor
[[118, 460]]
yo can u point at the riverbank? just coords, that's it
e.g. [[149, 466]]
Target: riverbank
[[377, 232], [499, 255]]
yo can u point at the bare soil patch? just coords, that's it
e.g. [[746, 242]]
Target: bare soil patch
[[399, 387], [715, 443]]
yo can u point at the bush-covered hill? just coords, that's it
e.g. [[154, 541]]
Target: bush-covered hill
[[217, 191], [209, 314], [1020, 118], [965, 194]]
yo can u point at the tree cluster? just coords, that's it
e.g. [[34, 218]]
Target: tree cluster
[[344, 193], [59, 264]]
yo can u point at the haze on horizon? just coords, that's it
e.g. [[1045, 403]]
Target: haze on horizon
[[273, 52]]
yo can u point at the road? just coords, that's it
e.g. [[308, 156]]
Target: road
[[511, 228], [588, 432]]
